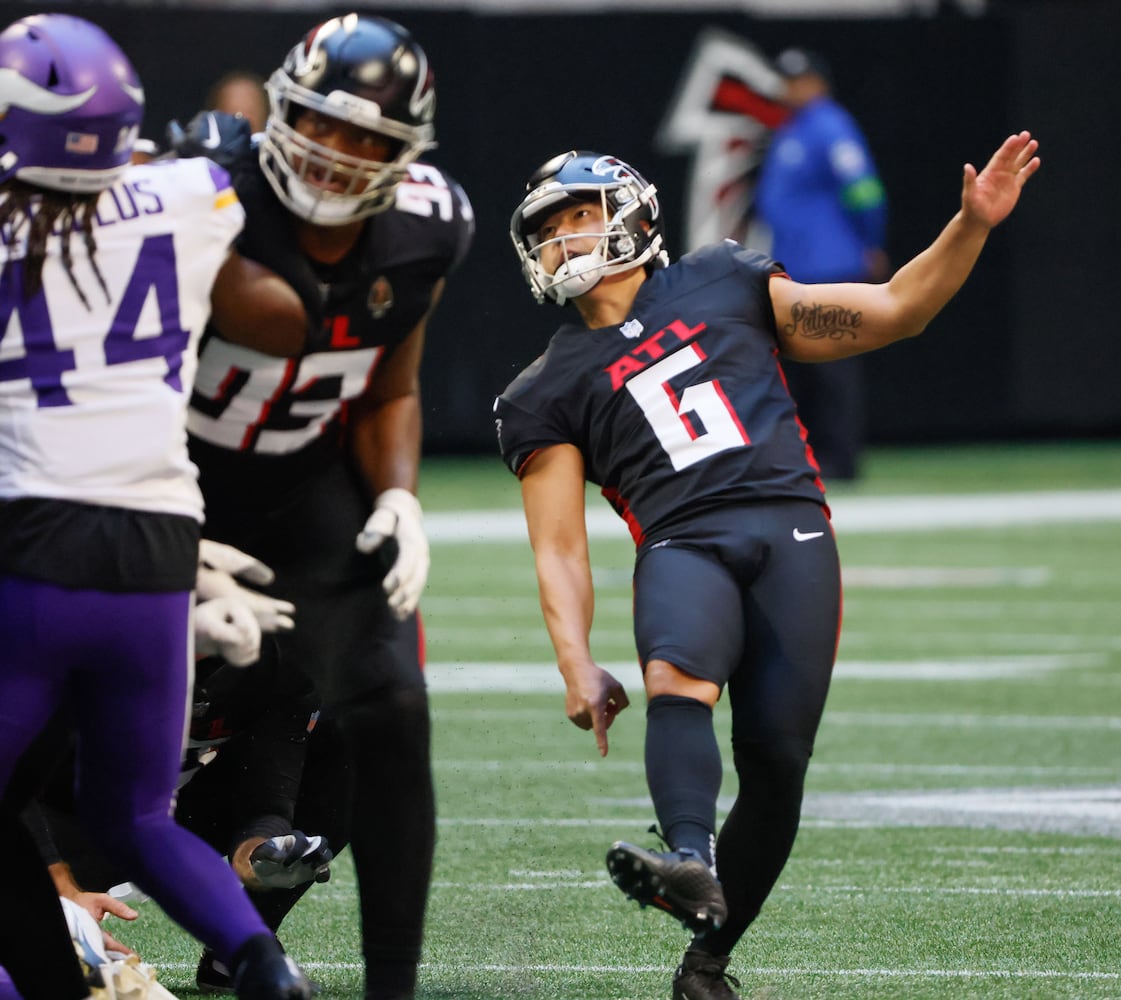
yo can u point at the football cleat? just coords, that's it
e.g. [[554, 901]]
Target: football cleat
[[264, 972], [702, 976], [678, 882], [212, 976]]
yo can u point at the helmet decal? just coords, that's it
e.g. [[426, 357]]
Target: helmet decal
[[70, 104], [16, 91]]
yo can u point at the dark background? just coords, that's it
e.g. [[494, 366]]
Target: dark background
[[1029, 348]]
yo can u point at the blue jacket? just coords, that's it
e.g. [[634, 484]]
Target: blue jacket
[[821, 196]]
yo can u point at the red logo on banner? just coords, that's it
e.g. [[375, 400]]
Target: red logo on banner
[[723, 113]]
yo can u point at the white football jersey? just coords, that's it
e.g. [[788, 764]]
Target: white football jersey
[[93, 399]]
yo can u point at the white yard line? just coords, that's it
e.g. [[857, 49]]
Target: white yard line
[[1078, 975], [543, 678], [851, 515]]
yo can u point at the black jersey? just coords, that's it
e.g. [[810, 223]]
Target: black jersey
[[680, 409], [267, 413]]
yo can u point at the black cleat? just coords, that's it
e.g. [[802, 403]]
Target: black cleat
[[212, 976], [678, 882], [701, 976], [263, 972]]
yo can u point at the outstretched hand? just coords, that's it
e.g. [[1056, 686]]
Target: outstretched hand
[[988, 197]]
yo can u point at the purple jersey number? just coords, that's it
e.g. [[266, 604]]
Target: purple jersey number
[[44, 364]]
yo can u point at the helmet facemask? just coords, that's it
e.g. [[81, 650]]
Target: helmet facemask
[[630, 236], [297, 166]]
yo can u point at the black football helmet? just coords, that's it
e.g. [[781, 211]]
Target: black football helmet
[[362, 69], [628, 201]]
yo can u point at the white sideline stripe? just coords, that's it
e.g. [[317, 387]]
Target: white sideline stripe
[[1093, 811], [544, 678], [477, 888], [980, 721], [782, 971], [572, 767], [865, 720], [851, 515], [761, 970], [932, 577]]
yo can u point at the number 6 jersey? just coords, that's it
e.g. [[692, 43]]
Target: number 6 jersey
[[686, 399], [93, 394]]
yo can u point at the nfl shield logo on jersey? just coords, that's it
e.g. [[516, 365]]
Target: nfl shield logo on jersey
[[380, 300]]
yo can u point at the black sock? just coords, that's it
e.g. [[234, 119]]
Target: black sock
[[683, 771]]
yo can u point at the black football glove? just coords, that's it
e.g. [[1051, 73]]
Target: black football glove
[[217, 135], [288, 861]]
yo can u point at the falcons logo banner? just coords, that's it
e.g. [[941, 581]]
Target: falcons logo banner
[[723, 113]]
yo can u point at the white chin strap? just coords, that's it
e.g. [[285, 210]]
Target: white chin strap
[[576, 276], [309, 204]]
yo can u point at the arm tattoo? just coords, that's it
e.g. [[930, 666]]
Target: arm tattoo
[[817, 321]]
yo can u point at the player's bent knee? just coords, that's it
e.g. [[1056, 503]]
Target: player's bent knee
[[663, 678]]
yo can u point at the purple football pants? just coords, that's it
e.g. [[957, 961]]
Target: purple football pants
[[120, 661]]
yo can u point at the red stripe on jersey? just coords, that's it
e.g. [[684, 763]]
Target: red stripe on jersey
[[421, 643], [253, 429], [623, 509], [802, 432], [731, 412], [683, 416], [520, 470]]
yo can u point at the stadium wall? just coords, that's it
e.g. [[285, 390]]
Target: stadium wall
[[1029, 348]]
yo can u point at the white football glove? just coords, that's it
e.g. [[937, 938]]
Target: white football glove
[[220, 568], [227, 627], [397, 515], [288, 861]]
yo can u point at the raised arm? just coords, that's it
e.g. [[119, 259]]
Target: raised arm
[[553, 496], [830, 321]]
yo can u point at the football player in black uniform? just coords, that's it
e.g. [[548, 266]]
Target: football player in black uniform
[[311, 462], [668, 394]]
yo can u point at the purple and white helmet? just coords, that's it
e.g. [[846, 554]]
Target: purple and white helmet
[[70, 104]]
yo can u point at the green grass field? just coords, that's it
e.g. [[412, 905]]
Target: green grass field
[[962, 827]]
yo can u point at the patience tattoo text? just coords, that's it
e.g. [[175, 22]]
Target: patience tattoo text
[[818, 321]]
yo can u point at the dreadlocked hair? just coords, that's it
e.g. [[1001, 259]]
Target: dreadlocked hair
[[46, 212]]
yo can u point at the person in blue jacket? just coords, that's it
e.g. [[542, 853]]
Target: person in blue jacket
[[821, 197]]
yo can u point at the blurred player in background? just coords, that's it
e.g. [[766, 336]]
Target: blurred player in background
[[666, 392], [312, 463], [822, 199], [109, 274], [241, 92]]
